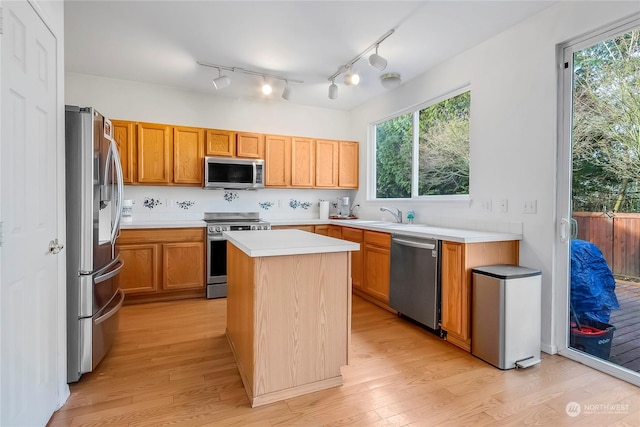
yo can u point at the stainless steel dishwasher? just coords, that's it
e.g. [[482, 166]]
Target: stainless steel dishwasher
[[414, 287]]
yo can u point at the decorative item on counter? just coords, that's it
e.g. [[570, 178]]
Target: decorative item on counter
[[230, 196], [324, 209], [265, 205], [127, 210], [151, 203], [186, 204], [410, 216]]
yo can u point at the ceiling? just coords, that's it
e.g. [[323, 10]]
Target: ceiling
[[161, 42]]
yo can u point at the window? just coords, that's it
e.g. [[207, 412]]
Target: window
[[424, 152]]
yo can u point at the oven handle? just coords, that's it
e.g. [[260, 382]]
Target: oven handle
[[216, 237]]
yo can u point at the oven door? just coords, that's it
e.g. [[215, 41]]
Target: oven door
[[216, 260]]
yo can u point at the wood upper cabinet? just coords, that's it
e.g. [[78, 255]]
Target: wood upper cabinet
[[220, 143], [277, 160], [188, 152], [355, 235], [162, 264], [377, 263], [326, 163], [124, 132], [250, 145], [457, 261], [303, 162], [155, 153], [348, 162]]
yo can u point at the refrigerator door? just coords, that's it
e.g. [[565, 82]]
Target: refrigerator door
[[96, 290]]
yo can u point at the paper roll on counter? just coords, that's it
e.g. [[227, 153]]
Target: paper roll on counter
[[324, 209]]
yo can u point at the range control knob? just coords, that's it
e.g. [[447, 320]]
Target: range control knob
[[218, 229]]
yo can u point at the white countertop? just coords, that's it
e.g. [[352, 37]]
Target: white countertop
[[420, 230], [286, 242], [168, 223], [459, 235]]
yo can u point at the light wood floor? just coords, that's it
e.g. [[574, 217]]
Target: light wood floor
[[172, 366]]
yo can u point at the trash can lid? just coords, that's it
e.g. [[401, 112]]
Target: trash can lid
[[506, 271]]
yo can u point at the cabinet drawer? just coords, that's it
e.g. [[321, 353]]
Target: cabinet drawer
[[161, 235], [377, 238], [352, 234]]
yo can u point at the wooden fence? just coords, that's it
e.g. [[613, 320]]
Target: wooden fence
[[618, 238]]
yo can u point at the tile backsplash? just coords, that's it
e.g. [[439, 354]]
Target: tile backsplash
[[182, 203]]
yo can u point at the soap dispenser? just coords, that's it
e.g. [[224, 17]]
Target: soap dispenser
[[410, 216]]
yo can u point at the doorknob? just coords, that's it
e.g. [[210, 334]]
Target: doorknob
[[55, 247]]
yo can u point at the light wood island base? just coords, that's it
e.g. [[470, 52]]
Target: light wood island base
[[288, 321]]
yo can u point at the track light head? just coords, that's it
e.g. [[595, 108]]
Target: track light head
[[377, 61], [266, 88], [351, 78], [333, 90], [221, 81], [286, 93]]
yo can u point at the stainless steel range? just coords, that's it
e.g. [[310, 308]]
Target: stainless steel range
[[217, 223]]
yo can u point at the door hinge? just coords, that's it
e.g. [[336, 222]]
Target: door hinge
[[1, 21], [1, 229]]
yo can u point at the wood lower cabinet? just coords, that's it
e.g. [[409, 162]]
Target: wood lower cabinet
[[162, 264], [377, 262], [355, 235], [329, 230], [457, 261], [309, 228]]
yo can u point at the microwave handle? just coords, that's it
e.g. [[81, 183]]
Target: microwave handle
[[255, 172]]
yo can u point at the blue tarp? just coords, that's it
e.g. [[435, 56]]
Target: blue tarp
[[592, 284]]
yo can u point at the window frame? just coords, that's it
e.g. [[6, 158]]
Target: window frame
[[415, 111]]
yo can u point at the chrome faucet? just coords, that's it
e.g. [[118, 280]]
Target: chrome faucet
[[397, 216]]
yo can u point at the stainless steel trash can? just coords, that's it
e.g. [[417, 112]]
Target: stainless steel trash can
[[506, 315]]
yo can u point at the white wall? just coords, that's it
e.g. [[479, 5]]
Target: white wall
[[514, 96]]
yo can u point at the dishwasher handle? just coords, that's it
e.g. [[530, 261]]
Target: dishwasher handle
[[414, 244]]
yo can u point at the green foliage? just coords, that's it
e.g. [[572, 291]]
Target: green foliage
[[443, 161], [606, 125]]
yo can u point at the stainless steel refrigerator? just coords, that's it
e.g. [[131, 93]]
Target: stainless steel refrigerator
[[94, 190]]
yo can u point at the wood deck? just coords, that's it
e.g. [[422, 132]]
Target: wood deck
[[172, 366], [625, 347]]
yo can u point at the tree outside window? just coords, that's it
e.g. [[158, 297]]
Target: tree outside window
[[441, 134]]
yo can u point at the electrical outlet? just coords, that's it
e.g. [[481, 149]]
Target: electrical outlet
[[503, 205], [170, 204], [530, 207], [485, 205]]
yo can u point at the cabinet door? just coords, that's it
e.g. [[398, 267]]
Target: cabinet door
[[277, 160], [455, 303], [348, 160], [335, 231], [124, 134], [302, 162], [321, 229], [221, 143], [155, 158], [188, 155], [326, 163], [376, 271], [357, 257], [308, 228], [250, 145], [141, 270], [183, 265]]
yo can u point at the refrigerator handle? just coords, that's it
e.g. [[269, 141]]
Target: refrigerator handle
[[115, 157], [111, 312], [112, 273]]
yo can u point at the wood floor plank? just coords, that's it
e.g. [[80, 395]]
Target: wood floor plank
[[172, 366]]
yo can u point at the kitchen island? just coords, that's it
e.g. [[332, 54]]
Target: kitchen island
[[288, 311]]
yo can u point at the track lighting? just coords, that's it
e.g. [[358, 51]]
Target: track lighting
[[333, 90], [221, 81], [351, 78], [286, 93], [377, 61]]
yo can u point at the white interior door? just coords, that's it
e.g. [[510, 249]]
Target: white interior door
[[29, 309]]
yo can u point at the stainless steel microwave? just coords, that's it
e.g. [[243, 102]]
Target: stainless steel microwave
[[232, 173]]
